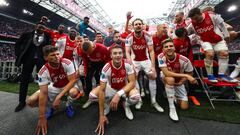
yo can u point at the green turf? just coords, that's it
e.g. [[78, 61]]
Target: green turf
[[225, 111], [14, 87]]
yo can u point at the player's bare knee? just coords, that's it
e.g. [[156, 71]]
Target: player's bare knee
[[95, 91], [73, 92], [169, 80], [184, 105], [32, 102], [132, 92], [223, 54], [209, 54]]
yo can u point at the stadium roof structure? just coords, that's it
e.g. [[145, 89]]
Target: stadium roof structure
[[76, 10]]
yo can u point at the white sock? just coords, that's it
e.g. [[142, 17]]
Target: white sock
[[170, 95], [153, 90], [223, 65], [209, 66], [235, 72], [70, 101], [93, 97]]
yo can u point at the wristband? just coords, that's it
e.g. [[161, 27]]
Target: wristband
[[121, 92]]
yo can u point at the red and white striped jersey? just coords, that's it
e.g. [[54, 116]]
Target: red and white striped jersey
[[116, 77], [57, 76], [139, 46]]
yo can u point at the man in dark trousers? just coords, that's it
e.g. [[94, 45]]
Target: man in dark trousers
[[28, 51]]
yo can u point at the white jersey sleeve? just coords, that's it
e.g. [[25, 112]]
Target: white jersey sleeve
[[148, 39], [106, 73], [76, 59], [68, 66], [162, 60], [129, 41], [129, 68], [186, 64], [219, 28], [191, 29], [43, 76]]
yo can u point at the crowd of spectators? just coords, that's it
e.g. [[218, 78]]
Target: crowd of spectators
[[11, 27], [7, 52], [235, 45]]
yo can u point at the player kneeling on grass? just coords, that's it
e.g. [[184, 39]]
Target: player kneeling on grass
[[56, 78], [176, 69], [117, 81]]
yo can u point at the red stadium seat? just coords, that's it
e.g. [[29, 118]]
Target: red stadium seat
[[206, 84]]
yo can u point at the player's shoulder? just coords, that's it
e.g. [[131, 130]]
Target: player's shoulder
[[161, 55], [42, 70], [183, 58], [66, 61], [106, 67]]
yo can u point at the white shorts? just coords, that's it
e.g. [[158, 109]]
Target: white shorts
[[143, 65], [220, 46], [53, 91], [180, 91], [110, 92]]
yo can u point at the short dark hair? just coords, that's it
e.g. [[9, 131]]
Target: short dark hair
[[116, 47], [86, 18], [137, 19], [49, 49], [86, 45], [193, 12], [180, 31], [85, 36], [98, 33], [115, 32], [166, 41], [73, 28], [41, 23]]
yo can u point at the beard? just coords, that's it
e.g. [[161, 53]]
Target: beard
[[60, 31], [39, 31]]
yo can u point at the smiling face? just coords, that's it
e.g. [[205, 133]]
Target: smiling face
[[179, 17], [79, 41], [99, 38], [40, 28], [162, 29], [61, 29], [137, 25], [72, 34], [116, 37], [169, 49], [117, 55]]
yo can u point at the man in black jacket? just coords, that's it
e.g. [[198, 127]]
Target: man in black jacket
[[28, 51]]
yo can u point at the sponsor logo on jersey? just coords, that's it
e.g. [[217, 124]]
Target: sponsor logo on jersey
[[118, 80], [59, 77], [138, 47], [206, 29]]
